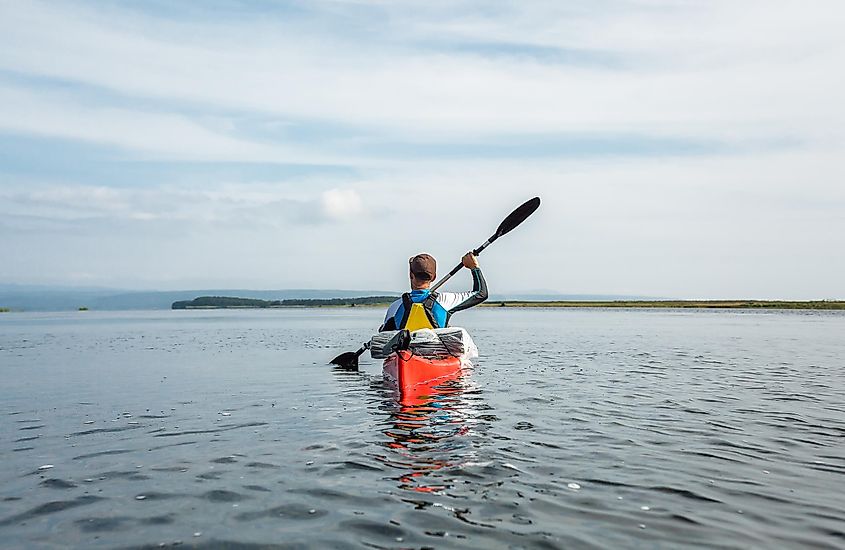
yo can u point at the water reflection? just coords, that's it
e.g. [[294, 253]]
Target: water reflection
[[429, 433]]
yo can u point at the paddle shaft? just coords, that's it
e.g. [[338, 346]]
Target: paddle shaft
[[458, 267], [508, 224]]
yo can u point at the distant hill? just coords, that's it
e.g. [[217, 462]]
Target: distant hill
[[225, 302], [49, 299]]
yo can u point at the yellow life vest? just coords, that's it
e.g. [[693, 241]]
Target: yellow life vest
[[417, 318], [418, 315]]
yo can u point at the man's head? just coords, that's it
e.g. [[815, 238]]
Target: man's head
[[423, 271]]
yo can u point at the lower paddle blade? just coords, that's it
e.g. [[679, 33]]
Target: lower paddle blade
[[518, 216], [348, 360]]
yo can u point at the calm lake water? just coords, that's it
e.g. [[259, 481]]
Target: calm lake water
[[576, 428]]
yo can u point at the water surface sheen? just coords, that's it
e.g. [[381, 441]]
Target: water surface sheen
[[577, 428]]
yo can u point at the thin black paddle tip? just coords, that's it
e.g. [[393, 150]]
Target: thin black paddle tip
[[518, 216], [348, 360]]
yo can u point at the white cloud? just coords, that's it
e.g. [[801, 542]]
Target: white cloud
[[341, 204], [253, 205], [759, 216], [163, 135], [697, 70], [764, 226]]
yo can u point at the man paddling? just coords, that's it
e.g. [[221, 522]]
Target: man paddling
[[421, 308], [349, 359]]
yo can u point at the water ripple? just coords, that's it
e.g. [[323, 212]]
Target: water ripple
[[586, 429]]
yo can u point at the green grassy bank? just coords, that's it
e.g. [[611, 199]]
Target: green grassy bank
[[688, 304]]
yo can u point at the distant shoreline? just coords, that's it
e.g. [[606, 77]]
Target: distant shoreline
[[335, 303], [678, 304], [219, 302]]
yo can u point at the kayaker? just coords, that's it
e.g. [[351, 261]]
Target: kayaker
[[423, 309]]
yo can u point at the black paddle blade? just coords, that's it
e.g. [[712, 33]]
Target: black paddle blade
[[518, 216], [348, 360], [400, 340]]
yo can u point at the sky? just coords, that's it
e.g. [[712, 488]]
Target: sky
[[683, 149]]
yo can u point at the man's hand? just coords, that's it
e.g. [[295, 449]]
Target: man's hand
[[470, 261]]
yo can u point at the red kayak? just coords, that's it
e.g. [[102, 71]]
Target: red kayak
[[413, 374]]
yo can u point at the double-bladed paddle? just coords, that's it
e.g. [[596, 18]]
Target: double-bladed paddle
[[349, 359], [509, 224]]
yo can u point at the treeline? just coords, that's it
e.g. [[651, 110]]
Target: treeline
[[223, 301], [218, 302], [365, 301]]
